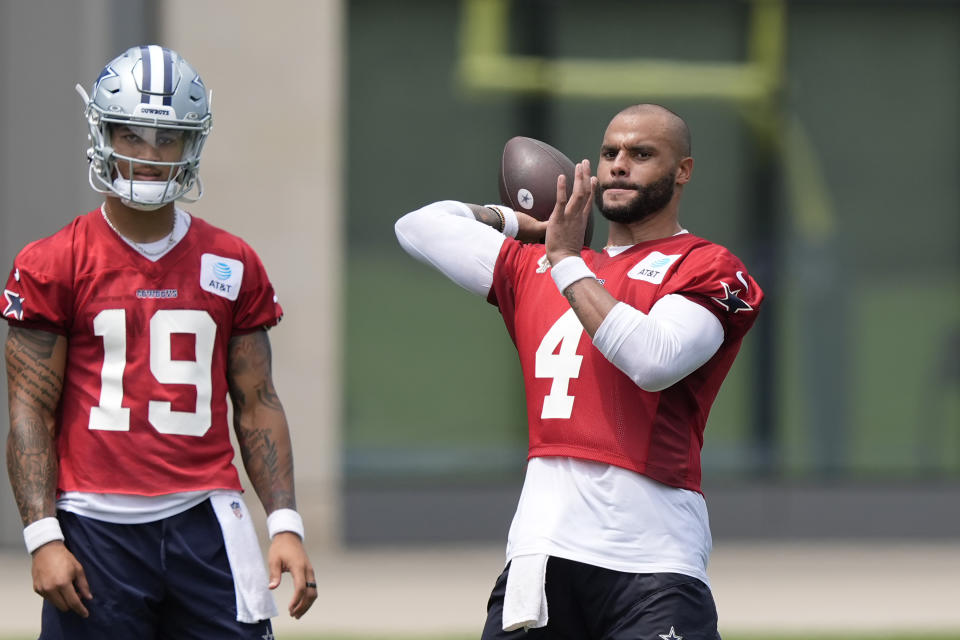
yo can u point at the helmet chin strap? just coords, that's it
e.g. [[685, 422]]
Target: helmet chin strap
[[143, 195]]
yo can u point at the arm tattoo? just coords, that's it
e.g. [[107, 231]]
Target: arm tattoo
[[31, 376], [40, 342], [488, 217], [269, 467], [35, 362], [32, 467], [259, 421], [250, 358]]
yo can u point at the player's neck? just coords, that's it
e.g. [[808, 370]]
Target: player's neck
[[661, 225], [140, 226]]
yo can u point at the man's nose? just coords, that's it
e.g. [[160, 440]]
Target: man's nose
[[149, 152], [618, 166]]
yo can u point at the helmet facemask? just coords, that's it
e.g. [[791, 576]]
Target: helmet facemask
[[169, 179]]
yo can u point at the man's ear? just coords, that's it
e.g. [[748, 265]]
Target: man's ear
[[685, 170]]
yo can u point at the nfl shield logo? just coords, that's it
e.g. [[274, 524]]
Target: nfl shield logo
[[237, 510]]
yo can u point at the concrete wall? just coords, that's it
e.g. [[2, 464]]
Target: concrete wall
[[272, 174]]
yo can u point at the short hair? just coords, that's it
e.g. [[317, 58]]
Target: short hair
[[677, 126]]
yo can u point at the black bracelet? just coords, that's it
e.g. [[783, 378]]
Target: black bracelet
[[503, 220]]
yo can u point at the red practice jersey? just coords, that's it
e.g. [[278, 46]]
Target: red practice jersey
[[144, 403], [579, 404]]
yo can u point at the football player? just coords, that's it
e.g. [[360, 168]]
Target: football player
[[623, 351], [128, 329]]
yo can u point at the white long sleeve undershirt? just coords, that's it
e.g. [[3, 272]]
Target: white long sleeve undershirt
[[654, 349], [446, 236]]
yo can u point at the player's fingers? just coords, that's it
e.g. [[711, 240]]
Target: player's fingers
[[300, 607], [298, 572], [296, 606], [53, 595], [80, 581], [581, 187], [529, 229], [56, 600], [561, 202], [587, 178], [588, 205], [275, 570], [71, 601], [571, 204], [589, 190]]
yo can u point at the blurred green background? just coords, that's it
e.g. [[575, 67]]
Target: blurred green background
[[844, 203]]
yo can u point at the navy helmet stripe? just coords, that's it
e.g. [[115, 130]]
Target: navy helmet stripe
[[167, 77], [145, 81]]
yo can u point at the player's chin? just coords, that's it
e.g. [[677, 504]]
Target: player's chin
[[622, 213], [616, 207]]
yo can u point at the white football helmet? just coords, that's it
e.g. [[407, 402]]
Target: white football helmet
[[158, 96]]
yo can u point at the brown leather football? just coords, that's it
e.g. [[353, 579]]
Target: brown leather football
[[528, 177]]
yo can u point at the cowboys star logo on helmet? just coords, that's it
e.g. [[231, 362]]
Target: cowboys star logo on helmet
[[154, 94]]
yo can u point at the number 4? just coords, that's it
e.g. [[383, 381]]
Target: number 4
[[562, 365]]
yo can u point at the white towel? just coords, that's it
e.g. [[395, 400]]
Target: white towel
[[525, 599], [254, 599]]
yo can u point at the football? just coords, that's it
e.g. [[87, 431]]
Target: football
[[528, 177]]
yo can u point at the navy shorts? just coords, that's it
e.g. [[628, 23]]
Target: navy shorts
[[163, 580], [585, 602]]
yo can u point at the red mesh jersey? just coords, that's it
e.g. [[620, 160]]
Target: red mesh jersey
[[579, 404], [144, 403]]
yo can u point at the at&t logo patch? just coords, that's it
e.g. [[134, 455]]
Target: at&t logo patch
[[653, 267], [221, 276]]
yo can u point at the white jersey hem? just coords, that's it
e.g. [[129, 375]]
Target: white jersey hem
[[607, 563], [130, 509]]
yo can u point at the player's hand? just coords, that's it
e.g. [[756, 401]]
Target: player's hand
[[530, 229], [568, 222], [287, 554], [59, 578]]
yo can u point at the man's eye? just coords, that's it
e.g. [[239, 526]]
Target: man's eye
[[164, 139]]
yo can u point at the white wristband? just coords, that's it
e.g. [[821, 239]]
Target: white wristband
[[36, 534], [511, 224], [569, 270], [284, 520]]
